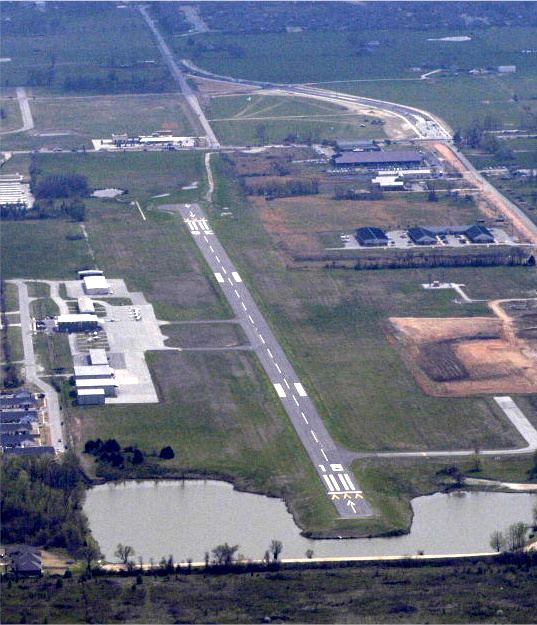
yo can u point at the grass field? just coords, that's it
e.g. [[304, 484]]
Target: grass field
[[327, 56], [11, 295], [219, 414], [105, 47], [41, 249], [260, 119], [334, 327], [53, 353], [11, 114], [78, 119], [15, 342], [204, 335]]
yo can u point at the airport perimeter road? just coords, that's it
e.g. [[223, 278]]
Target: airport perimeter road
[[329, 461], [178, 75], [26, 113], [30, 368]]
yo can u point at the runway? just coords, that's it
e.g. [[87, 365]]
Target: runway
[[336, 477]]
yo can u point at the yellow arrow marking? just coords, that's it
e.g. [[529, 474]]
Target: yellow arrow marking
[[358, 496], [334, 497], [346, 496]]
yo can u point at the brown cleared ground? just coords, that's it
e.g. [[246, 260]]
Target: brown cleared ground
[[296, 223], [200, 335], [472, 356]]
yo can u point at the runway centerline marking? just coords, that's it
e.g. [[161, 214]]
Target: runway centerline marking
[[314, 436], [295, 400], [261, 339], [269, 353], [211, 248], [237, 293], [324, 455], [243, 306], [217, 259], [306, 420], [251, 320], [277, 367], [286, 383]]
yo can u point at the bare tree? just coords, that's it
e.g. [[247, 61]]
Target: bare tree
[[276, 547], [124, 553], [516, 536], [223, 555], [90, 552], [497, 541]]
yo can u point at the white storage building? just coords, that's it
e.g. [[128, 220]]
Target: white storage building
[[86, 305], [109, 386], [93, 372], [90, 396], [98, 357], [96, 285], [77, 323]]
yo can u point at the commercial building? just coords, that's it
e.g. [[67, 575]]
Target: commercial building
[[14, 193], [109, 386], [90, 396], [93, 372], [371, 237], [159, 140], [86, 305], [98, 357], [422, 236], [422, 172], [77, 323], [391, 158], [96, 285], [475, 233]]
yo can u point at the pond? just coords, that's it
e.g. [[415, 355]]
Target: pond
[[188, 518]]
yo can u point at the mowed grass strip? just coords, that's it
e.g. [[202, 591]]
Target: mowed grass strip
[[205, 335], [334, 327], [220, 414]]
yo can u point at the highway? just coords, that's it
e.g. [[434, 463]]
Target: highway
[[178, 75], [329, 461]]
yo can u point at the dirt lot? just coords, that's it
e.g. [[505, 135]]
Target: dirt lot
[[468, 356]]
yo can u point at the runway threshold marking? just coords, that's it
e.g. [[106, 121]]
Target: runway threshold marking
[[219, 278], [280, 391], [300, 390], [236, 276]]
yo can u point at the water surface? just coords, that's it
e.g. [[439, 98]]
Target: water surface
[[188, 518]]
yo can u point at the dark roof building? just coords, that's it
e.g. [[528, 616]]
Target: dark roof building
[[21, 398], [18, 415], [393, 158], [422, 236], [479, 234], [16, 440], [25, 560], [35, 450], [371, 236], [14, 428]]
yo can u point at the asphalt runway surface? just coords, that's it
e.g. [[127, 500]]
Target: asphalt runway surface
[[329, 462]]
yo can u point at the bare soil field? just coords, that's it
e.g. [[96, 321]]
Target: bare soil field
[[469, 356]]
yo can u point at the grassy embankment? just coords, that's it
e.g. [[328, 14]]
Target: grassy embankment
[[261, 119], [458, 593]]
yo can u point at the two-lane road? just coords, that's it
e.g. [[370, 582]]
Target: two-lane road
[[330, 462]]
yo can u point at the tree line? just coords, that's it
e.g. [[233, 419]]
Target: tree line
[[288, 188], [41, 503]]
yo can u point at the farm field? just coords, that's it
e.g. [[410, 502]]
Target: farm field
[[80, 48], [333, 325], [261, 119], [72, 121]]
